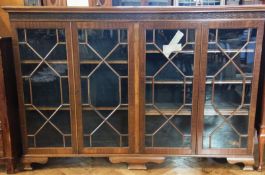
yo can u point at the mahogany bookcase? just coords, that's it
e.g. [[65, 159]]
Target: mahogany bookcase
[[96, 82]]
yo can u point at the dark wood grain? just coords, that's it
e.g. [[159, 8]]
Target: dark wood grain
[[8, 107], [260, 118]]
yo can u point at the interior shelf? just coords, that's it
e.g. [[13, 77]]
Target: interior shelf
[[31, 108], [66, 107], [188, 112], [226, 112], [168, 112], [209, 51], [168, 82], [55, 61], [118, 61], [207, 82], [182, 51], [86, 108], [149, 111]]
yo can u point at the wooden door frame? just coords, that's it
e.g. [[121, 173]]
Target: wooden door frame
[[44, 25], [171, 25], [131, 86], [230, 24]]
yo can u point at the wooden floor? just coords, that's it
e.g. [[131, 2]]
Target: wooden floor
[[101, 166]]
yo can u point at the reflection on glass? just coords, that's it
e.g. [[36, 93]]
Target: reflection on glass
[[32, 2], [212, 2], [159, 2], [168, 89], [45, 84], [126, 2], [225, 131], [175, 133], [215, 95], [45, 87], [41, 40], [104, 86], [186, 3], [141, 2], [199, 2], [228, 87]]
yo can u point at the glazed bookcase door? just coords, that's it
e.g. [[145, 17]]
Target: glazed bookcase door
[[103, 50], [229, 81], [170, 79], [43, 65]]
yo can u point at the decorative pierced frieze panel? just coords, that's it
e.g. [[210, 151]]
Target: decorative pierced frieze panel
[[103, 57], [44, 70], [193, 15], [228, 87], [169, 83]]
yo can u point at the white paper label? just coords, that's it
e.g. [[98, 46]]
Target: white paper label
[[77, 3], [173, 45]]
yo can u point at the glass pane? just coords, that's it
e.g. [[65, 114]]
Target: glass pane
[[220, 135], [21, 35], [215, 96], [171, 134], [58, 53], [186, 3], [102, 42], [45, 87], [228, 87], [159, 2], [126, 2], [169, 78], [104, 85], [27, 53], [154, 61], [55, 137], [42, 40], [57, 129], [245, 60], [232, 38], [167, 96], [45, 83], [120, 53], [203, 2], [163, 37], [149, 36], [139, 2], [32, 2], [211, 2]]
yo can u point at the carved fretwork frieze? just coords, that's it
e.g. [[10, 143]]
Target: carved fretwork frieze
[[138, 16]]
